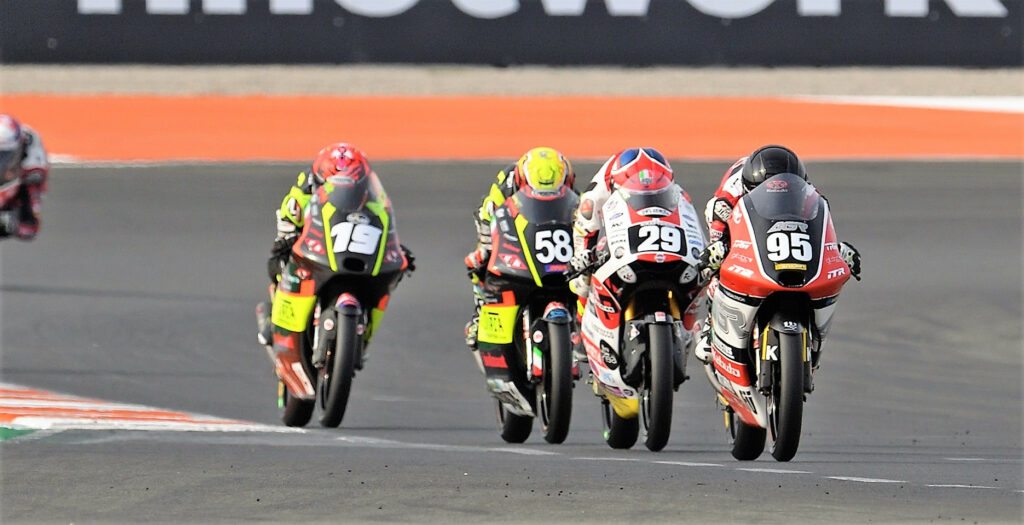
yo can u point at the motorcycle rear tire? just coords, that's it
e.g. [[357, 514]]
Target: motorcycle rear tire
[[657, 396], [619, 433], [295, 412], [554, 396], [514, 428], [747, 441], [787, 417], [336, 376]]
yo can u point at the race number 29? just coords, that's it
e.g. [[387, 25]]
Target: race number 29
[[656, 238], [553, 245], [355, 238]]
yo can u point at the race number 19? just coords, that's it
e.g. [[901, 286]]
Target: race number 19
[[355, 238]]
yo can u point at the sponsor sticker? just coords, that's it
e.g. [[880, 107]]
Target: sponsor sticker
[[790, 266], [745, 272], [788, 226], [358, 218], [654, 211]]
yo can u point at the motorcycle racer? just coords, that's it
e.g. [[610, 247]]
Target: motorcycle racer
[[24, 169], [541, 168], [615, 171], [336, 161], [743, 176]]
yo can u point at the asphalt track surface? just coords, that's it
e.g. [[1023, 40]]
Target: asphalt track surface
[[141, 288]]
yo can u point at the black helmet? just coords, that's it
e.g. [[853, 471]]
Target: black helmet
[[768, 161]]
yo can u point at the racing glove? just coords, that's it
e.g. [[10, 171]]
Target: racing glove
[[713, 255], [410, 259], [581, 261], [722, 210], [711, 259], [851, 257]]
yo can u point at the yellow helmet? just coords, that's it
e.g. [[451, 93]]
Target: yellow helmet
[[544, 169]]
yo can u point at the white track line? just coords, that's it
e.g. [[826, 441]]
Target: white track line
[[864, 480]]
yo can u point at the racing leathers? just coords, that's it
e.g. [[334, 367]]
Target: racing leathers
[[716, 215], [24, 207], [476, 261]]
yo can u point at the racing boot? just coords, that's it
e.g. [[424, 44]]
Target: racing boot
[[263, 324], [579, 352], [702, 346]]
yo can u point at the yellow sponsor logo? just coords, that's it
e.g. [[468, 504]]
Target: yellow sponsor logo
[[497, 324], [790, 266], [291, 313]]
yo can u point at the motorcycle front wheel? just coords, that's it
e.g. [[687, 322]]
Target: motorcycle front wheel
[[554, 397], [786, 407], [295, 412], [656, 399], [337, 373]]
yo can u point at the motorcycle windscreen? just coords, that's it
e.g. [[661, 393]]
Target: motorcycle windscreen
[[785, 197], [8, 162], [787, 218], [359, 236], [539, 207], [657, 202]]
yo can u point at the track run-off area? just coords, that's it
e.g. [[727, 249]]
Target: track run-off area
[[137, 300]]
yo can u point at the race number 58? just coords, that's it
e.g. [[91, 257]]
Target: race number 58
[[355, 238], [553, 245], [786, 245]]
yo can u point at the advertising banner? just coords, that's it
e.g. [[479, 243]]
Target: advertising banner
[[980, 33]]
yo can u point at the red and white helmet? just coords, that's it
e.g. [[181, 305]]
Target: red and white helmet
[[647, 164], [12, 143], [340, 159]]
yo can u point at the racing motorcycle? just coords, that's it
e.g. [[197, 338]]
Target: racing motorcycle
[[635, 327], [350, 253], [777, 286], [527, 321]]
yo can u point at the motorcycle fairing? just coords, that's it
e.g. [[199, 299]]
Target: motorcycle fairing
[[531, 235], [632, 235], [783, 240], [672, 232], [345, 230]]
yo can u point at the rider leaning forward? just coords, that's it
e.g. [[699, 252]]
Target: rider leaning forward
[[337, 160], [24, 168], [540, 168], [742, 177]]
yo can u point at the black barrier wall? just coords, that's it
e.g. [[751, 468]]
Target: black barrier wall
[[982, 33]]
